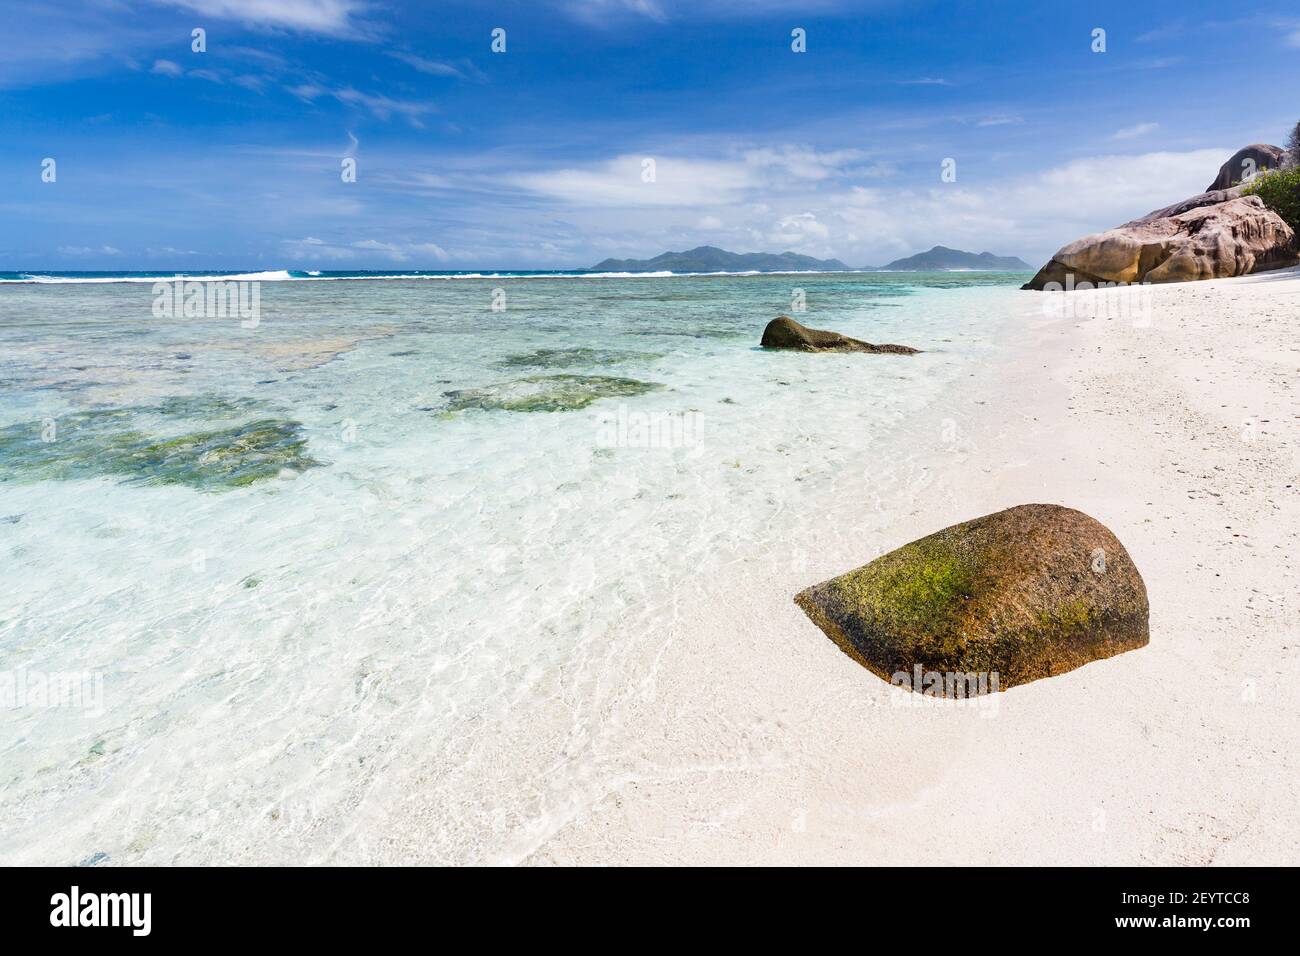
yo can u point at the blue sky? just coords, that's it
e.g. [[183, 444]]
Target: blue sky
[[231, 158]]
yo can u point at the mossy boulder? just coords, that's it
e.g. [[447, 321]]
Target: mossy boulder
[[784, 332], [1030, 592]]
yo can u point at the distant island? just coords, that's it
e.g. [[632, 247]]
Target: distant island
[[713, 259], [943, 259]]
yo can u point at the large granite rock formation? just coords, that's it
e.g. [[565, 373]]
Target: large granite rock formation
[[1214, 235], [784, 332], [1029, 592], [1248, 161], [1211, 236]]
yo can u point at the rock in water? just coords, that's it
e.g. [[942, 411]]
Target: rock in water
[[1029, 592], [784, 332]]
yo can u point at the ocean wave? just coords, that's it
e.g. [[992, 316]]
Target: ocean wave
[[55, 278]]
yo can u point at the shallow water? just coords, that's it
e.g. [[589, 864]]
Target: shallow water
[[314, 563]]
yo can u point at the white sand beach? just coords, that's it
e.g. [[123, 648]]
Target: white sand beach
[[750, 738], [485, 638]]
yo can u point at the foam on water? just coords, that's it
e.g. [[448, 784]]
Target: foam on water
[[446, 601]]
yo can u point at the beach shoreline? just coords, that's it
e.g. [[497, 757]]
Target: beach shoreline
[[640, 687], [1185, 447]]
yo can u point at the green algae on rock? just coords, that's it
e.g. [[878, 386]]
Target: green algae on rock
[[1030, 592], [229, 457], [206, 406], [547, 393], [566, 358], [110, 442]]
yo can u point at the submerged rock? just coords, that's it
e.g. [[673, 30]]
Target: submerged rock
[[1029, 592], [112, 442], [784, 332], [207, 406], [546, 393], [565, 358], [231, 457]]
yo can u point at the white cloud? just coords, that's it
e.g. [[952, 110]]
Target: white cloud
[[382, 107], [89, 251], [925, 81], [431, 249], [312, 249], [1027, 214], [424, 65], [1030, 216], [599, 12], [166, 68], [798, 230], [311, 16], [1002, 119], [1132, 132], [642, 181], [801, 162], [629, 181]]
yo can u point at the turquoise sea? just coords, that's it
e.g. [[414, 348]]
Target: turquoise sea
[[402, 534]]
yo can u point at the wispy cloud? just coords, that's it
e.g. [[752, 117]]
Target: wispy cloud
[[1133, 132], [312, 16], [602, 12], [599, 11], [925, 81], [1158, 63], [381, 106], [1001, 119], [425, 65], [82, 251]]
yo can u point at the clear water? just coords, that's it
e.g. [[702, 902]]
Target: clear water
[[425, 568]]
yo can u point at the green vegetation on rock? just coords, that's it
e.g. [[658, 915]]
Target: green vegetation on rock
[[565, 358], [546, 393], [919, 588], [1280, 191], [1014, 594], [114, 442], [206, 406]]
